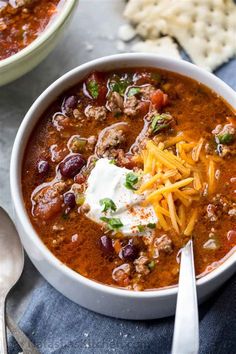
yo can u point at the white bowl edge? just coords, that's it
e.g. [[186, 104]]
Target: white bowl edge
[[67, 80]]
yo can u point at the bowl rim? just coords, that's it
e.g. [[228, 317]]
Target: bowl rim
[[66, 7], [15, 169]]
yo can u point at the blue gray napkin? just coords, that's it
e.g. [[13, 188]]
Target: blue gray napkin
[[58, 326]]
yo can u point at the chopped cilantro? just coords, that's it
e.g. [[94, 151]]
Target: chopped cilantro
[[160, 122], [130, 180], [107, 204], [93, 88], [156, 77], [104, 218], [112, 223], [117, 114], [112, 162], [141, 228], [133, 91], [65, 216], [119, 86], [151, 265], [225, 139], [151, 225], [79, 199]]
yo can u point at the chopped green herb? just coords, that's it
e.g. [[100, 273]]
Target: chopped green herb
[[104, 218], [79, 199], [112, 162], [156, 77], [225, 139], [133, 91], [117, 114], [65, 216], [160, 122], [141, 228], [112, 223], [107, 204], [119, 86], [78, 144], [151, 225], [130, 180], [93, 88], [151, 265]]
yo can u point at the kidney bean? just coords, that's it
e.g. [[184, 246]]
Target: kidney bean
[[71, 165], [70, 103], [43, 167], [69, 200], [130, 252], [106, 244]]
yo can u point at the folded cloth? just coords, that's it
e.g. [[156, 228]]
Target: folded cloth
[[59, 326]]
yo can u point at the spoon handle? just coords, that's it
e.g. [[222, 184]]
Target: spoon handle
[[3, 341], [186, 331], [24, 342]]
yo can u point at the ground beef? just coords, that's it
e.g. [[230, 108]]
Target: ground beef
[[141, 265], [212, 212], [121, 274], [92, 141], [125, 160], [147, 91], [132, 106], [232, 212], [61, 122], [224, 129], [112, 138], [224, 150], [78, 115], [115, 103], [97, 113], [20, 3], [220, 204], [162, 244]]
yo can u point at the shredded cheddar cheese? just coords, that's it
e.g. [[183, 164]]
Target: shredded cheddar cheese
[[211, 176], [178, 170]]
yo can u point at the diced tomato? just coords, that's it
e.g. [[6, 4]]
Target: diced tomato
[[232, 120], [100, 79], [48, 203], [159, 99], [102, 94], [144, 108], [79, 178]]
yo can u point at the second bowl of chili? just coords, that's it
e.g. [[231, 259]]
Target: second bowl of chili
[[29, 30]]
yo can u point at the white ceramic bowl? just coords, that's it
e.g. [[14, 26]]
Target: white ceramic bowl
[[90, 294], [25, 60]]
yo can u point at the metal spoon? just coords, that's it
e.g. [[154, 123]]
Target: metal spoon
[[11, 266], [186, 330], [23, 341]]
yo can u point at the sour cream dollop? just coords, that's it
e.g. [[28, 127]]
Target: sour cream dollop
[[108, 181]]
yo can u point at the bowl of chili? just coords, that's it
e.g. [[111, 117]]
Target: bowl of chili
[[125, 130], [29, 31]]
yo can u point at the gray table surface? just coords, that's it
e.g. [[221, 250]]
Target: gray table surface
[[92, 34]]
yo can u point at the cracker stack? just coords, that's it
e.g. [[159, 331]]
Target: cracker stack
[[205, 29]]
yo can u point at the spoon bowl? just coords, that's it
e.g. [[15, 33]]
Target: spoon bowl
[[186, 316], [11, 266]]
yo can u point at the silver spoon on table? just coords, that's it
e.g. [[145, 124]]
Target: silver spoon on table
[[186, 329], [11, 266]]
